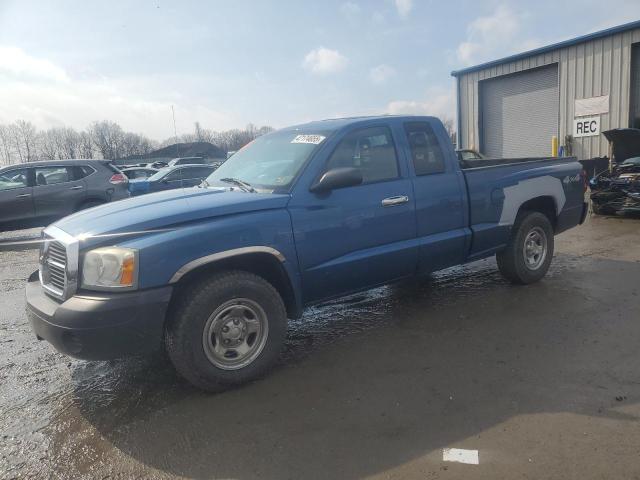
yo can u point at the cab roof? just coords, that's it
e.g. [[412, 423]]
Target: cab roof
[[334, 124]]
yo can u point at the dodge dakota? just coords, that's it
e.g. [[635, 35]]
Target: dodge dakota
[[307, 213]]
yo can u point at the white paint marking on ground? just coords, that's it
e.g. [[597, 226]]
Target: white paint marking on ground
[[460, 455]]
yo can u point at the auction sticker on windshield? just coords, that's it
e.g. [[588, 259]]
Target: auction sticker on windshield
[[313, 139]]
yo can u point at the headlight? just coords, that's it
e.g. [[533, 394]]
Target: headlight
[[110, 268]]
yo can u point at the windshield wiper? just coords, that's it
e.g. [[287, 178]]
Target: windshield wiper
[[243, 185], [204, 183]]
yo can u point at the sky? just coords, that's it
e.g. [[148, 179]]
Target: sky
[[229, 63]]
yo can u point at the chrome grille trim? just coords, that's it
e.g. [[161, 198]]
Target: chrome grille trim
[[59, 263]]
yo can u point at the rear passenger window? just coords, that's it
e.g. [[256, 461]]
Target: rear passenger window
[[52, 175], [426, 153], [371, 150], [81, 171]]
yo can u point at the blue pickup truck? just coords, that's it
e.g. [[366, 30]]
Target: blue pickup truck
[[298, 216]]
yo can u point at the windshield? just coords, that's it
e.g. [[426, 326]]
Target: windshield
[[271, 161]]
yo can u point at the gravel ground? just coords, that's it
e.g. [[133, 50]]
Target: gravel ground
[[542, 380]]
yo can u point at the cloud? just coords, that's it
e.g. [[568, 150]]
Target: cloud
[[380, 74], [404, 7], [350, 9], [439, 102], [378, 19], [490, 35], [42, 92], [16, 64], [324, 61]]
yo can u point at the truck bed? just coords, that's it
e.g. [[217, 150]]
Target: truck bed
[[501, 162], [494, 186]]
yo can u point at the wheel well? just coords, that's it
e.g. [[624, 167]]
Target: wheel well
[[264, 265], [545, 205]]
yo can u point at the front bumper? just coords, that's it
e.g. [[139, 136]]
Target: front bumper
[[97, 325]]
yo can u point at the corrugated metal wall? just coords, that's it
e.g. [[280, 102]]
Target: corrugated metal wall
[[597, 67]]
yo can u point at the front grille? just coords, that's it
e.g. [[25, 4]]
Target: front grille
[[57, 264]]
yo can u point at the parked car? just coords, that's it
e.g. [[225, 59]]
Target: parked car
[[187, 161], [180, 176], [134, 173], [299, 216], [38, 192], [158, 164]]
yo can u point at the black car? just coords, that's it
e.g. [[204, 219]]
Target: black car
[[39, 192], [180, 176]]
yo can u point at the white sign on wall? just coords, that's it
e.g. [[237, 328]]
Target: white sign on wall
[[586, 127], [592, 106]]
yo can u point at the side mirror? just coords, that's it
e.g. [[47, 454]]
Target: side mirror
[[337, 178]]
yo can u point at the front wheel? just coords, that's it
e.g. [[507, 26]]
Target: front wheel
[[528, 254], [225, 330]]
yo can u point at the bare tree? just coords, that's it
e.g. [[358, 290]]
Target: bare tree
[[6, 153], [49, 144], [450, 128], [85, 145], [24, 140], [21, 142], [107, 137]]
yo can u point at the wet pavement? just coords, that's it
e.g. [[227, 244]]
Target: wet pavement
[[543, 380]]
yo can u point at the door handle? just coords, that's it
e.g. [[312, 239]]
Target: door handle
[[77, 187], [397, 200], [24, 195]]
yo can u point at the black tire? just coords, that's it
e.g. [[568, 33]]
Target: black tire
[[196, 309], [512, 261]]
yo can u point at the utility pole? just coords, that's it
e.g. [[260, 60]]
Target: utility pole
[[175, 131]]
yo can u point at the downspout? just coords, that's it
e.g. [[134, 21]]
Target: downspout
[[458, 116]]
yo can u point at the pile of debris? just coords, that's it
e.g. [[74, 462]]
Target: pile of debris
[[617, 189]]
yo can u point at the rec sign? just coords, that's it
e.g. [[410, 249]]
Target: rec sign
[[586, 127]]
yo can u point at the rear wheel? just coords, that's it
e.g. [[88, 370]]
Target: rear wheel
[[528, 254], [225, 330]]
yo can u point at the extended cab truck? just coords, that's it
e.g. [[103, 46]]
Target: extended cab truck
[[304, 214]]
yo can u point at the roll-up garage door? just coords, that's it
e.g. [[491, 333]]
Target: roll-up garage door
[[519, 113]]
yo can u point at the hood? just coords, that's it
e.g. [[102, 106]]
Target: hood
[[626, 143], [168, 208]]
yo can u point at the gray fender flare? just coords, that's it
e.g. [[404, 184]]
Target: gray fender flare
[[525, 190], [215, 257]]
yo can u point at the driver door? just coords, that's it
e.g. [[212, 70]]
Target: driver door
[[357, 237]]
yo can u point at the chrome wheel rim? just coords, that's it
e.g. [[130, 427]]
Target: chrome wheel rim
[[535, 248], [235, 334]]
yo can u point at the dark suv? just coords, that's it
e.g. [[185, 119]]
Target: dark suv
[[37, 192]]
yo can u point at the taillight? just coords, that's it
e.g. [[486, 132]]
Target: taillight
[[118, 178]]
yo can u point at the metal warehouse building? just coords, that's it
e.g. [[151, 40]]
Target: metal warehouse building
[[573, 90]]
